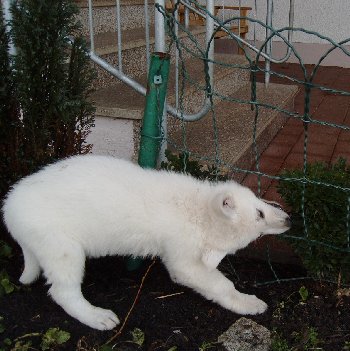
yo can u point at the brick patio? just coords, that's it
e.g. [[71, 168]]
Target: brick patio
[[325, 143]]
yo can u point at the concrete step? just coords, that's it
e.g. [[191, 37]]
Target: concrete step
[[104, 15], [134, 59], [234, 126], [120, 105], [121, 101]]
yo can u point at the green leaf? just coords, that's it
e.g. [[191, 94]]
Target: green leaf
[[206, 346], [7, 285], [304, 293], [7, 341], [138, 336], [22, 346], [5, 250], [54, 336]]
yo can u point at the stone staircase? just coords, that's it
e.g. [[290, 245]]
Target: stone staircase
[[119, 109]]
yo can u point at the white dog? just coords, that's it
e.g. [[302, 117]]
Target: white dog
[[97, 206]]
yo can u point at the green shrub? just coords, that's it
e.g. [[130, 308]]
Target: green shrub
[[323, 242], [45, 113], [10, 123]]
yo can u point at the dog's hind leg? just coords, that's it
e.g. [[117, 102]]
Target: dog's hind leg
[[64, 270], [31, 267]]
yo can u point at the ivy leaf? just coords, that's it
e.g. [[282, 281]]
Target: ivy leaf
[[6, 286], [5, 250], [54, 336], [138, 336], [304, 293]]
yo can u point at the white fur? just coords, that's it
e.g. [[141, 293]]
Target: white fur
[[97, 206]]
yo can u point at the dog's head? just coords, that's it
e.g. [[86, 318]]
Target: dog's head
[[247, 215]]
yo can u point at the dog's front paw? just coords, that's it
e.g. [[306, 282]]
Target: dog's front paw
[[101, 319], [250, 304], [243, 303]]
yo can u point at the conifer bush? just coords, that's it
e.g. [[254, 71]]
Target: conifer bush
[[45, 111], [10, 123]]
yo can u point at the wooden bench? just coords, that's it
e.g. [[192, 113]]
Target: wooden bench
[[197, 20]]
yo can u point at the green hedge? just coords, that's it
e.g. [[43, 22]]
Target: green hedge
[[320, 214], [45, 113]]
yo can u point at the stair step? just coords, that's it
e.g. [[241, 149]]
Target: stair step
[[121, 101], [119, 108], [102, 3], [134, 51], [235, 125], [106, 42], [104, 15]]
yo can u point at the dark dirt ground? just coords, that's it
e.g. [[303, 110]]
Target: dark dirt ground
[[185, 320]]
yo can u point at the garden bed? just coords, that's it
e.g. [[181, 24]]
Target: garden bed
[[172, 317]]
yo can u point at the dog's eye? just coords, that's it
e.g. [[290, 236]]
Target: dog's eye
[[275, 205], [261, 214]]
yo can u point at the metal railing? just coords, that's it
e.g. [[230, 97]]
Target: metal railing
[[160, 46], [269, 33], [212, 23]]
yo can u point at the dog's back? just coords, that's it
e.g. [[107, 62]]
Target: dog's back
[[84, 195]]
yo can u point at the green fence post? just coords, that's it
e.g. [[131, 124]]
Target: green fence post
[[151, 136], [156, 92]]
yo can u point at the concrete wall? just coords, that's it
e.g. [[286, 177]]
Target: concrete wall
[[113, 137], [329, 18]]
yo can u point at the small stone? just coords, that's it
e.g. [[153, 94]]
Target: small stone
[[246, 335]]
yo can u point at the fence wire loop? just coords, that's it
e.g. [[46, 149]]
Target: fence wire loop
[[192, 47]]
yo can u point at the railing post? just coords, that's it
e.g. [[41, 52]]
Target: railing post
[[91, 27], [148, 56], [159, 28], [187, 17], [160, 47], [119, 35], [209, 40], [268, 48]]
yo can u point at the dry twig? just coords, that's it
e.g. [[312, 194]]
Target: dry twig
[[133, 305], [170, 295]]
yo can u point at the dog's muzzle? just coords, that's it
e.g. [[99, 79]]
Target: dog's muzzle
[[288, 222]]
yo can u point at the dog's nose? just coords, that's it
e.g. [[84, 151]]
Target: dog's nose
[[288, 222]]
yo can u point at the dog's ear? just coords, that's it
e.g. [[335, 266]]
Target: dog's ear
[[224, 205]]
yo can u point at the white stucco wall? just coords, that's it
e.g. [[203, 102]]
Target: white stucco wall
[[329, 18], [113, 137]]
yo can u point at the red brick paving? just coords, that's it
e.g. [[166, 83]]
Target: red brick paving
[[325, 143]]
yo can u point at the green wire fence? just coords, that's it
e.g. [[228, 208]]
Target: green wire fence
[[312, 183]]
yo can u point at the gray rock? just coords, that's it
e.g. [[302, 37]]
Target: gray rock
[[246, 335]]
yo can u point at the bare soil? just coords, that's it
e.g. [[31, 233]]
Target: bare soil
[[185, 319]]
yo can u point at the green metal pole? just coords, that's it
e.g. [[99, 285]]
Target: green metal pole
[[151, 136]]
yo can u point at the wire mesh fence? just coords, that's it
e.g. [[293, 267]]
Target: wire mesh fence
[[317, 193]]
